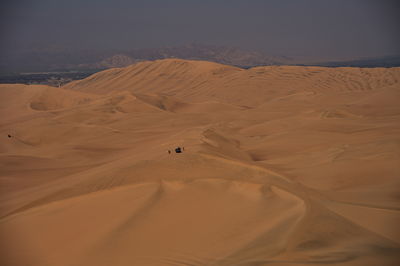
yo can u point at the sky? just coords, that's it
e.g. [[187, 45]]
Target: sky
[[325, 28]]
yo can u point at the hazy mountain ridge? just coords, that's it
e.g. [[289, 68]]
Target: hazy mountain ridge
[[55, 59], [58, 59]]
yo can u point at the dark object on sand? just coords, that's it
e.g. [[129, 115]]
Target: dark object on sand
[[178, 150], [9, 135], [169, 152]]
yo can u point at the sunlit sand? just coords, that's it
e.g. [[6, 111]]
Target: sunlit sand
[[280, 165]]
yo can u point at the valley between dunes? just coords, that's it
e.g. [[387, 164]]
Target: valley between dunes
[[282, 165]]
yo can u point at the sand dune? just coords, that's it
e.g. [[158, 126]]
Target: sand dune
[[282, 166]]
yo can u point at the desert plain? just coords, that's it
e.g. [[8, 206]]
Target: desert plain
[[282, 165]]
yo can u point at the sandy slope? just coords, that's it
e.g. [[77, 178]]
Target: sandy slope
[[282, 166]]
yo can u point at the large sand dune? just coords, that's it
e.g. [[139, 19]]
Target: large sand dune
[[281, 166]]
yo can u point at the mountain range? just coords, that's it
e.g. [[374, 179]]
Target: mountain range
[[44, 59]]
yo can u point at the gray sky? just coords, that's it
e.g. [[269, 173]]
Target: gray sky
[[328, 28]]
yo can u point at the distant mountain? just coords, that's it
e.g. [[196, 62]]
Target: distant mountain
[[55, 59], [52, 59], [219, 54], [118, 60]]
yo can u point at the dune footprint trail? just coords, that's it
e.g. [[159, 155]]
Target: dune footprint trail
[[281, 166]]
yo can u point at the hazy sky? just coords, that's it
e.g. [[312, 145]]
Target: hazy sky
[[332, 28]]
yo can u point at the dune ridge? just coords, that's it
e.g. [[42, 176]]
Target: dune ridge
[[282, 165]]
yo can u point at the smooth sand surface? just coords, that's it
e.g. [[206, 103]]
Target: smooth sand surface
[[282, 165]]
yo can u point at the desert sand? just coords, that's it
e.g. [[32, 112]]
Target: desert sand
[[282, 165]]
